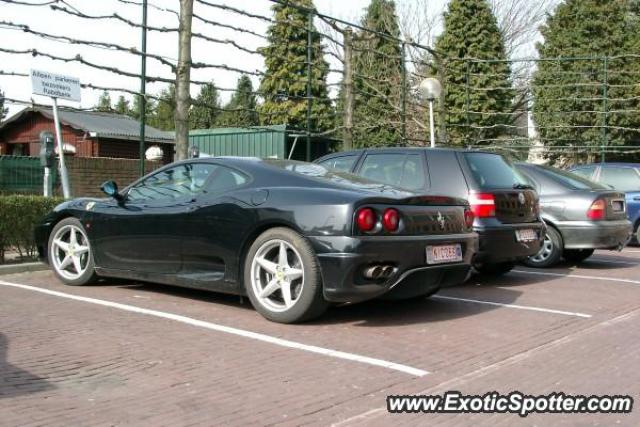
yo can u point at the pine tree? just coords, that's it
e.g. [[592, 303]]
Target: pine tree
[[206, 108], [3, 110], [568, 94], [150, 106], [104, 103], [478, 95], [122, 106], [165, 109], [284, 84], [241, 108], [377, 69]]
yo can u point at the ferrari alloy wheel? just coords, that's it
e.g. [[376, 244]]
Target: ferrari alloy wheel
[[277, 275], [70, 253], [282, 277], [550, 252]]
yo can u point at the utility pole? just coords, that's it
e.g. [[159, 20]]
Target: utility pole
[[183, 80]]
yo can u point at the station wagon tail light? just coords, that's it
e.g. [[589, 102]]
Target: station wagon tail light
[[483, 205], [366, 219], [597, 210], [390, 219], [468, 218]]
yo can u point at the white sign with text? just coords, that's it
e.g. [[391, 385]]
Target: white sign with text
[[55, 85]]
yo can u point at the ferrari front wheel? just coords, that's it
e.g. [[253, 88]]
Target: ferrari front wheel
[[70, 253], [282, 277]]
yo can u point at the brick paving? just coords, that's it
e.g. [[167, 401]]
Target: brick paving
[[66, 362]]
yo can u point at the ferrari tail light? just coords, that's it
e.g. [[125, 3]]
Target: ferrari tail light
[[468, 218], [483, 205], [597, 210], [390, 219], [366, 219]]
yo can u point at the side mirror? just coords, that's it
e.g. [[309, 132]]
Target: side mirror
[[110, 188]]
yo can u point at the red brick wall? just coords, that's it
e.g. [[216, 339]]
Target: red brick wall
[[86, 174]]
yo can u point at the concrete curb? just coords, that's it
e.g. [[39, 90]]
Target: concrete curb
[[22, 268]]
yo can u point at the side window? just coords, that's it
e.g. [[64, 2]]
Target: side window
[[622, 179], [342, 163], [586, 172], [171, 184], [402, 170], [224, 179]]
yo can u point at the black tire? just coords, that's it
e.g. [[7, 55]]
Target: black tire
[[494, 269], [310, 302], [577, 255], [635, 239], [88, 276], [551, 251]]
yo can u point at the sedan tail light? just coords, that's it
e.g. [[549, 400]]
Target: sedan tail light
[[390, 219], [597, 210], [469, 217], [483, 205], [366, 219]]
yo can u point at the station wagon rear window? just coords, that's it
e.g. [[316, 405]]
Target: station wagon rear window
[[492, 171], [324, 173]]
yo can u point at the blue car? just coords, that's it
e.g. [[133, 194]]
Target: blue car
[[622, 177]]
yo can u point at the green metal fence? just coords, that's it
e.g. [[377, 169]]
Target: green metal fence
[[22, 175]]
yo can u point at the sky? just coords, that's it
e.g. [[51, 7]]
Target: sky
[[165, 44]]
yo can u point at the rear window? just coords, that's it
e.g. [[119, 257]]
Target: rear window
[[569, 179], [401, 170], [622, 179], [324, 173], [492, 171]]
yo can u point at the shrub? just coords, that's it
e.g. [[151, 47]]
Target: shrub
[[18, 216]]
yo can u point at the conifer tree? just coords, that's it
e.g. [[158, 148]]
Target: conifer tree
[[206, 108], [122, 106], [165, 109], [3, 109], [104, 103], [241, 108], [284, 84], [478, 95], [377, 69], [568, 107]]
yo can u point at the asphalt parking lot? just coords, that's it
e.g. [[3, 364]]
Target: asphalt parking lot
[[124, 353]]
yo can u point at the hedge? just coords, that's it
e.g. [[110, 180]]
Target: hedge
[[18, 216]]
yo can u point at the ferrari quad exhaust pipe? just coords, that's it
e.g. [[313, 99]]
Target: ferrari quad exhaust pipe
[[379, 271]]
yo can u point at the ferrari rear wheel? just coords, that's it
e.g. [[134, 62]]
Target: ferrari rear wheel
[[70, 253], [282, 277]]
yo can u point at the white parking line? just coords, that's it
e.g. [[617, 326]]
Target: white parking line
[[229, 330], [577, 276], [516, 306]]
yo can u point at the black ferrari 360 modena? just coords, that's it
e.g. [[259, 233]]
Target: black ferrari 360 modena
[[292, 236]]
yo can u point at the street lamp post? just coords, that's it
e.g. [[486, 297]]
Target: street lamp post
[[430, 90]]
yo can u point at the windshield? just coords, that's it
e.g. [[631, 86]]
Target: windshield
[[492, 171], [569, 179]]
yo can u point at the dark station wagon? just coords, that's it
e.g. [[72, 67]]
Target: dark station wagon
[[506, 207]]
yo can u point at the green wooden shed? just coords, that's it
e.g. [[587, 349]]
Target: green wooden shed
[[276, 141]]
